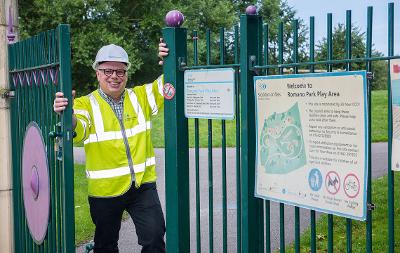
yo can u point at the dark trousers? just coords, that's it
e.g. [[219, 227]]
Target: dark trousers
[[143, 205]]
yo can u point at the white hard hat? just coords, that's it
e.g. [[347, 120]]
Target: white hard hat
[[111, 53]]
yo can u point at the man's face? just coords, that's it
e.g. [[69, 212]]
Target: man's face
[[112, 78]]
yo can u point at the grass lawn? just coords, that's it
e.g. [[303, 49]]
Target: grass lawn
[[379, 226], [379, 115], [84, 228]]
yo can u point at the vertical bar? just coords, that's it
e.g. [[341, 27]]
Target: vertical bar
[[313, 230], [348, 68], [368, 238], [281, 205], [260, 232], [197, 155], [223, 129], [266, 49], [329, 69], [176, 144], [14, 104], [210, 159], [348, 39], [250, 43], [58, 168], [68, 166], [238, 169], [267, 202], [295, 27], [391, 237]]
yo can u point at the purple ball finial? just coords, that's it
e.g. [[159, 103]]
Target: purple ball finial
[[251, 10], [174, 18]]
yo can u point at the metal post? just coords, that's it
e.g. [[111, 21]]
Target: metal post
[[176, 144], [252, 214], [6, 230]]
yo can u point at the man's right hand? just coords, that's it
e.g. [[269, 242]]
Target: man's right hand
[[60, 103]]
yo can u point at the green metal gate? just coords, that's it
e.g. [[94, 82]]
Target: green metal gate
[[253, 215], [38, 67]]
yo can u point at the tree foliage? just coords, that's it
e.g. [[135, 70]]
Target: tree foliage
[[134, 25], [358, 50], [275, 12], [137, 26]]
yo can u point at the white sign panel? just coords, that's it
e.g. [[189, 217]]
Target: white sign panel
[[210, 93], [395, 88], [312, 141]]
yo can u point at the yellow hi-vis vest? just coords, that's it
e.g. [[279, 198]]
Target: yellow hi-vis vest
[[109, 170]]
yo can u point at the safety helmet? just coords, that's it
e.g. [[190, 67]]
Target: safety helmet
[[111, 53]]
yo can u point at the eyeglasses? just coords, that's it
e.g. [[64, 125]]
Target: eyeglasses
[[110, 72]]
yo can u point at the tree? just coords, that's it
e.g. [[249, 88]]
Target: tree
[[93, 23], [275, 12], [358, 50], [135, 25]]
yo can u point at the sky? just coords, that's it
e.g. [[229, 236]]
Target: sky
[[320, 8]]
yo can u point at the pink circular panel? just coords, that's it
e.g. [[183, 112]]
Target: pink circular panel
[[35, 182]]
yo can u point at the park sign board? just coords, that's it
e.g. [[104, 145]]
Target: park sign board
[[395, 91], [311, 141], [209, 93]]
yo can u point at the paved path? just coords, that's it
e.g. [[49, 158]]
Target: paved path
[[128, 239]]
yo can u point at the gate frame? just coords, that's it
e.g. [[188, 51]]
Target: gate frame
[[61, 220]]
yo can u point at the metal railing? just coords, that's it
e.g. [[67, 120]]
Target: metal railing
[[253, 216]]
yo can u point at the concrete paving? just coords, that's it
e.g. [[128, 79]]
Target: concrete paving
[[128, 239]]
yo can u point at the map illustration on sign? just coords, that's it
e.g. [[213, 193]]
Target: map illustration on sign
[[281, 142]]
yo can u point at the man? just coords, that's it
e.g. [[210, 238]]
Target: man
[[114, 123]]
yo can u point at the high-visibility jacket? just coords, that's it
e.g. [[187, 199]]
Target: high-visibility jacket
[[118, 152]]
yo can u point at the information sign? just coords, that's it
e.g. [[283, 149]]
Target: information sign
[[210, 93], [395, 88], [312, 138]]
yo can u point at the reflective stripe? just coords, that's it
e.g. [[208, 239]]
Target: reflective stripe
[[151, 99], [140, 167], [160, 86], [98, 121], [136, 107], [116, 135], [83, 112], [98, 174], [84, 126], [100, 135]]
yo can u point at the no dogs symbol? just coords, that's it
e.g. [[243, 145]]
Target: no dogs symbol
[[332, 182]]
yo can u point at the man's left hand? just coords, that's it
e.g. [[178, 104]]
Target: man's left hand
[[162, 51]]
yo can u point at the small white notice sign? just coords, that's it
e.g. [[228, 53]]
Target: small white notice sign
[[210, 93]]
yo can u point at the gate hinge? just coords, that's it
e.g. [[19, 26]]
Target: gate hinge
[[370, 76], [6, 93], [371, 206]]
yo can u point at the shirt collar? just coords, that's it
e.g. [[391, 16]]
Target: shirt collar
[[110, 99]]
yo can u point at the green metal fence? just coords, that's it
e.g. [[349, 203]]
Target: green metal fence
[[252, 216], [38, 67]]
